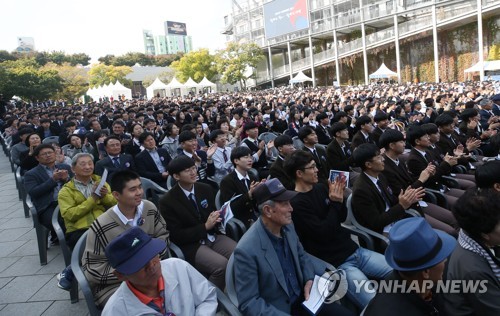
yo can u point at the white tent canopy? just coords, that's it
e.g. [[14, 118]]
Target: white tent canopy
[[157, 86], [190, 83], [383, 72], [118, 89], [174, 84], [487, 66], [300, 77], [207, 83]]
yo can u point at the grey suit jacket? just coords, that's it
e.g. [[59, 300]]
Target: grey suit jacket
[[126, 162], [41, 187], [259, 280], [466, 265]]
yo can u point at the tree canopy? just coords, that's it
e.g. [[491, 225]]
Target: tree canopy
[[102, 74], [196, 64], [26, 79], [42, 58], [74, 80], [131, 58], [234, 61]]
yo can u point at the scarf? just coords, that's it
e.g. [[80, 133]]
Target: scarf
[[470, 244]]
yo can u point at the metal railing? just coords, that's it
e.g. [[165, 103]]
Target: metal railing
[[420, 20]]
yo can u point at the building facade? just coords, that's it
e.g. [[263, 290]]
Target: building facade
[[317, 36], [178, 43], [25, 45], [149, 42], [174, 41]]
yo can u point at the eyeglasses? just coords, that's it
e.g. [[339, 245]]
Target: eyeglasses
[[314, 166], [47, 153]]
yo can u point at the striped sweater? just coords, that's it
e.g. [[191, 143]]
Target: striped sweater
[[105, 228]]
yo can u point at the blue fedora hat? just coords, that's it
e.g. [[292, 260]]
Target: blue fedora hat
[[415, 245], [130, 251]]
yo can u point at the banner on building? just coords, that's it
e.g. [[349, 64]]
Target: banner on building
[[285, 16], [176, 28]]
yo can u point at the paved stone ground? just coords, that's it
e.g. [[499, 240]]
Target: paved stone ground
[[26, 287]]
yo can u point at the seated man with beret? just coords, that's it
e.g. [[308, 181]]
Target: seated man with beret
[[418, 255], [285, 147], [150, 286], [374, 204]]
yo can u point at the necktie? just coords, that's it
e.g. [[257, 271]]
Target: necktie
[[453, 141], [116, 162], [424, 155], [384, 194], [344, 149], [404, 170], [193, 201], [224, 155], [256, 143], [245, 183], [316, 157]]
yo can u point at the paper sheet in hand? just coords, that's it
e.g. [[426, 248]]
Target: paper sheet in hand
[[319, 291], [226, 213], [335, 173], [101, 184], [422, 204]]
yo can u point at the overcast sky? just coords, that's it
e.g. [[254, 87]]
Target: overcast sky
[[105, 27]]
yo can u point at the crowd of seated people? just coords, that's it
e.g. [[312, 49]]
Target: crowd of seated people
[[402, 152]]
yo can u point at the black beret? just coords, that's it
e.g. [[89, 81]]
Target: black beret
[[468, 113], [390, 136], [249, 125], [321, 116], [337, 127], [185, 136], [180, 163]]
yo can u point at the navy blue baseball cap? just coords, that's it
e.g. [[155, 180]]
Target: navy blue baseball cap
[[132, 250], [273, 190]]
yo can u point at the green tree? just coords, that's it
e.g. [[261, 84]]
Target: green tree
[[233, 62], [130, 59], [25, 78], [123, 61], [57, 57], [107, 60], [74, 80], [5, 55], [80, 58], [102, 74], [41, 58], [141, 59], [166, 60], [196, 64]]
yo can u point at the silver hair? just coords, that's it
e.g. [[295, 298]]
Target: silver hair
[[271, 203], [75, 158]]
